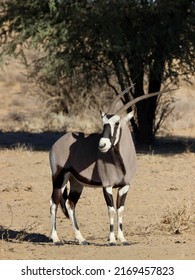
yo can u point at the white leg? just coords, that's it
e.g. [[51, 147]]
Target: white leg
[[122, 193], [111, 212], [71, 213], [120, 235], [53, 210], [75, 191]]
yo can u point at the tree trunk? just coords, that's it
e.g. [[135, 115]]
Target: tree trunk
[[146, 109], [144, 131]]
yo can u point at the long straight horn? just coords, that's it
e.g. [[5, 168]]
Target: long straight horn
[[132, 102], [118, 97]]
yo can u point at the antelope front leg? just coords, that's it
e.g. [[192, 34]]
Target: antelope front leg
[[111, 211], [121, 196]]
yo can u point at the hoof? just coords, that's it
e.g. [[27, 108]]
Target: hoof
[[84, 243], [125, 243], [112, 244], [58, 243]]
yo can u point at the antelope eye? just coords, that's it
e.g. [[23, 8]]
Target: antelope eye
[[117, 123]]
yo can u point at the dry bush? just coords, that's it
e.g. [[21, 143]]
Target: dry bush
[[177, 220], [181, 121], [174, 221], [76, 110], [7, 234], [24, 232], [37, 108], [164, 109], [188, 144]]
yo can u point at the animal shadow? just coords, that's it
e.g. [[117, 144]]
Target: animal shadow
[[16, 236], [19, 236]]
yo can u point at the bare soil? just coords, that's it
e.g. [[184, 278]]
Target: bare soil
[[159, 217]]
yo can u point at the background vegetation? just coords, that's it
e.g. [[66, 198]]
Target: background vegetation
[[82, 44]]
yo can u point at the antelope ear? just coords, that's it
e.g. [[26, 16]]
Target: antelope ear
[[129, 116]]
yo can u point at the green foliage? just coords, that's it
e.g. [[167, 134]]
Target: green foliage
[[102, 38], [93, 41]]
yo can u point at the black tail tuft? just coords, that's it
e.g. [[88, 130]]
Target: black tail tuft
[[63, 202]]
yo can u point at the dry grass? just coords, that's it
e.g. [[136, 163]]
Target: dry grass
[[26, 107], [22, 147]]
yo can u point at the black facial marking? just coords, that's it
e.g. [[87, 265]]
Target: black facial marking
[[113, 138], [106, 131]]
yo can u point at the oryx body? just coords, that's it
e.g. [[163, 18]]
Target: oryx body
[[106, 160]]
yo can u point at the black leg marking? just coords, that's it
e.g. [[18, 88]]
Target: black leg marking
[[63, 202], [111, 228], [108, 197], [56, 196], [121, 196], [111, 211], [73, 197], [58, 178]]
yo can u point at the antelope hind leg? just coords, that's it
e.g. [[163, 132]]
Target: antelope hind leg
[[73, 197], [54, 201]]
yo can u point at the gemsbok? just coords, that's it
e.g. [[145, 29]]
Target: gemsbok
[[106, 160]]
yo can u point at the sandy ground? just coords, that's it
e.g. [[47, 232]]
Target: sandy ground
[[159, 218]]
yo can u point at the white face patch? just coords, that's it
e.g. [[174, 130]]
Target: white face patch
[[105, 142], [111, 121]]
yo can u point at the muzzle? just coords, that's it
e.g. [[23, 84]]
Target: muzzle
[[104, 144]]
